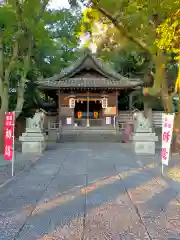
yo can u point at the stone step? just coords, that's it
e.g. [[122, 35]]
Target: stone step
[[84, 137], [90, 129]]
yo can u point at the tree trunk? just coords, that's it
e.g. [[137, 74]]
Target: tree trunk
[[176, 129], [20, 99], [167, 100], [176, 133], [147, 111], [21, 87]]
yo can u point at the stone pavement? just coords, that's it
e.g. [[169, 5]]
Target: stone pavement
[[21, 161], [84, 191]]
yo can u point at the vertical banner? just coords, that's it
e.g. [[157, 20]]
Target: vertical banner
[[9, 136], [167, 130]]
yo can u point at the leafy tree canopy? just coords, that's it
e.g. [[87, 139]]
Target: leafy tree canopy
[[36, 42]]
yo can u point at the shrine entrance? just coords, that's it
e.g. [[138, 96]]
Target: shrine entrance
[[87, 112], [81, 109]]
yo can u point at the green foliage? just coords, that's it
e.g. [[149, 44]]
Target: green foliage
[[135, 20], [128, 62], [22, 26], [56, 52], [48, 36]]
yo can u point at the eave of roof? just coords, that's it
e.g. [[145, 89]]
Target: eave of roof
[[110, 77]]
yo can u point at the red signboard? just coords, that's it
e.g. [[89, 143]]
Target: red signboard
[[9, 135]]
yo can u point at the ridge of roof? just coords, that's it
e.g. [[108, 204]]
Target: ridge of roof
[[87, 60]]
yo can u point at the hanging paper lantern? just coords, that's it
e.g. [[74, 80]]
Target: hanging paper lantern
[[95, 114], [145, 91], [72, 103], [104, 102], [79, 115]]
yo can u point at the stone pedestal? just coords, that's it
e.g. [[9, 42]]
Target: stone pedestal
[[144, 142], [143, 138], [33, 141]]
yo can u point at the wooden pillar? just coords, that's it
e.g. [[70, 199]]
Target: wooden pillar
[[130, 102], [117, 110], [88, 121], [59, 105], [73, 95], [117, 94]]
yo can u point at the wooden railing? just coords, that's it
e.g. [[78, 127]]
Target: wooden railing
[[124, 116], [54, 130], [54, 125], [127, 116], [83, 122], [157, 119], [92, 122], [119, 121]]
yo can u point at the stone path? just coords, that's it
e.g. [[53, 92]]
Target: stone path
[[84, 191], [22, 161]]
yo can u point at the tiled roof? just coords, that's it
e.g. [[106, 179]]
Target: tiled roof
[[109, 79]]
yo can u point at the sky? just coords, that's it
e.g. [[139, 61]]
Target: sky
[[55, 4]]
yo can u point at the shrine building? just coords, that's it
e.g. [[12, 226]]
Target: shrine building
[[86, 93]]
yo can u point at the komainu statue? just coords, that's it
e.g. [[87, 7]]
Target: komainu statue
[[37, 121], [141, 123]]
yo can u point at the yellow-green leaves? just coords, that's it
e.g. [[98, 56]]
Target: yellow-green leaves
[[169, 40], [169, 34], [177, 85]]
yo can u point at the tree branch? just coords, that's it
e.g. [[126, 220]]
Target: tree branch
[[1, 66], [1, 58], [44, 5], [11, 62], [22, 82], [122, 29], [27, 58]]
